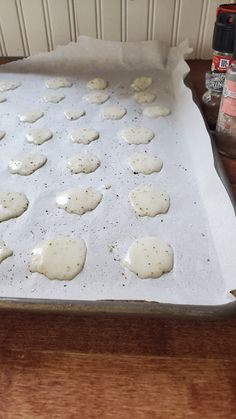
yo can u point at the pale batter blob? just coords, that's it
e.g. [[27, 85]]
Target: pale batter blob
[[79, 200], [12, 204], [73, 114], [30, 116], [54, 97], [57, 83], [59, 258], [2, 99], [148, 200], [149, 257], [97, 84], [144, 97], [8, 85], [137, 135], [145, 163], [84, 135], [5, 252], [83, 163], [26, 164], [97, 97], [113, 112], [2, 134], [38, 135], [156, 111], [141, 83]]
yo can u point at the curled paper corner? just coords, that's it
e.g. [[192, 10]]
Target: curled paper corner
[[185, 49], [177, 56]]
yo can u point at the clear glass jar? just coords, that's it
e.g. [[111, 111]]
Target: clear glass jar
[[214, 82], [210, 105], [225, 135]]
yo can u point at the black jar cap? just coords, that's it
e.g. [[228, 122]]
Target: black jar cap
[[223, 36]]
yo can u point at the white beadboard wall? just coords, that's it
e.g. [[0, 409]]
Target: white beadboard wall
[[30, 26]]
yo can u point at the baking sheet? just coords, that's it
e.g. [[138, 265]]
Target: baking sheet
[[200, 224]]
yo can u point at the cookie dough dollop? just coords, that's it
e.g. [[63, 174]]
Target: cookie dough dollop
[[156, 111], [144, 97], [145, 163], [84, 135], [5, 251], [73, 114], [59, 258], [113, 112], [83, 163], [137, 135], [26, 164], [53, 97], [97, 84], [57, 83], [38, 135], [8, 85], [141, 83], [12, 204], [97, 97], [79, 200], [148, 200], [149, 257], [31, 116]]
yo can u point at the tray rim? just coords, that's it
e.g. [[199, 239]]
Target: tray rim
[[120, 308]]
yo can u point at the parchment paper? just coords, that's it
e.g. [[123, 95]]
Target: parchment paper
[[200, 224]]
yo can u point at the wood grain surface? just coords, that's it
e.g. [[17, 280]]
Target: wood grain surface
[[70, 366]]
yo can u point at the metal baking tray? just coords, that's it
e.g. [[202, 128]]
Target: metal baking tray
[[128, 307]]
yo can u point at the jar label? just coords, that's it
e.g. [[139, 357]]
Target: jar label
[[214, 81], [221, 62], [229, 98]]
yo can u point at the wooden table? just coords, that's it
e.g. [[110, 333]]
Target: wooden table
[[67, 366]]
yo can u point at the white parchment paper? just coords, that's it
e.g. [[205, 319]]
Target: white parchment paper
[[200, 224]]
